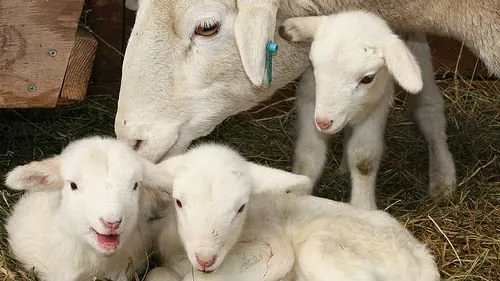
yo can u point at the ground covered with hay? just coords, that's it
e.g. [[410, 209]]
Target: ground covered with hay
[[464, 233]]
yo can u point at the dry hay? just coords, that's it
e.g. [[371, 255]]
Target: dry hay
[[464, 233]]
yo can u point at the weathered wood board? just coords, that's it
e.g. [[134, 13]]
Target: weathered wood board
[[36, 39], [79, 68]]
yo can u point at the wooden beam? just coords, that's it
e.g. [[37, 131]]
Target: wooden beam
[[36, 38], [79, 67]]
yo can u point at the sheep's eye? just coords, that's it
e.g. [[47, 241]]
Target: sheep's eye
[[178, 202], [241, 208], [136, 185], [207, 29], [367, 79], [73, 186]]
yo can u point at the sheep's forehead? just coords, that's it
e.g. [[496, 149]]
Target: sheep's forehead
[[213, 176], [175, 9], [350, 39], [100, 162]]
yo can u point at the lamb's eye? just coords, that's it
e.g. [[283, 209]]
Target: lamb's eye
[[136, 185], [179, 203], [207, 29], [241, 208], [367, 79], [73, 186]]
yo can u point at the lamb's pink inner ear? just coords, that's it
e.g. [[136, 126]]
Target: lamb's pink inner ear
[[41, 175], [39, 179]]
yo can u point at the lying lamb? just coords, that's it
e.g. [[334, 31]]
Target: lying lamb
[[235, 220], [85, 212], [355, 56]]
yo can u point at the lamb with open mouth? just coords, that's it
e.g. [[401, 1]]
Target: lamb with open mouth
[[86, 212]]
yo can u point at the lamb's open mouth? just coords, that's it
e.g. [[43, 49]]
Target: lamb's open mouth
[[107, 241]]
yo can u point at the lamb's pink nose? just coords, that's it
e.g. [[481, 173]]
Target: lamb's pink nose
[[111, 225], [206, 262], [323, 123]]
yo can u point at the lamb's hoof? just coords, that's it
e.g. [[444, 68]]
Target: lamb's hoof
[[439, 191]]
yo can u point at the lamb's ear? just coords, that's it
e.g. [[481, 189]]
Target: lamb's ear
[[254, 26], [168, 169], [44, 175], [272, 180], [300, 29], [156, 177], [403, 66]]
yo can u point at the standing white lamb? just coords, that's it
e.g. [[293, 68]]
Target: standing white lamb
[[235, 222], [355, 56], [85, 212]]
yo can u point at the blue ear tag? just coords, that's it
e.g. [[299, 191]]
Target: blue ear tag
[[271, 48]]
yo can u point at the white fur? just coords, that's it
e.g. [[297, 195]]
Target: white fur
[[347, 47], [277, 236], [53, 228], [177, 86]]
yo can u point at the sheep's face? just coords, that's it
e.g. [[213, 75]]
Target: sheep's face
[[100, 196], [211, 206], [353, 55], [99, 181], [183, 73], [351, 80], [211, 190]]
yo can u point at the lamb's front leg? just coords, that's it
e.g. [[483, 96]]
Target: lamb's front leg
[[364, 152], [428, 112], [311, 146]]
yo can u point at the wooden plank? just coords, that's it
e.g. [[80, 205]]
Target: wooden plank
[[79, 67], [36, 38]]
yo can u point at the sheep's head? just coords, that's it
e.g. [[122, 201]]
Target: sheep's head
[[99, 181], [354, 55], [212, 185], [191, 64]]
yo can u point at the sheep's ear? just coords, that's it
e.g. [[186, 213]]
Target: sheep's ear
[[156, 177], [267, 179], [253, 28], [41, 175], [403, 66], [301, 29]]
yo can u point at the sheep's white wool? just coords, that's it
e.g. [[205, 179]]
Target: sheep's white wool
[[219, 72], [355, 56], [243, 221], [85, 212]]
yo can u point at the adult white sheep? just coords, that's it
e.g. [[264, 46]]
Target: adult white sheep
[[85, 212], [355, 56], [236, 223], [191, 64]]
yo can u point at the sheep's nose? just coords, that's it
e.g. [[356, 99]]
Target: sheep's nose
[[111, 225], [121, 133], [323, 123], [205, 261]]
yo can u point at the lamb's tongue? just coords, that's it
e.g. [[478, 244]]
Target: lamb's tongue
[[109, 241]]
